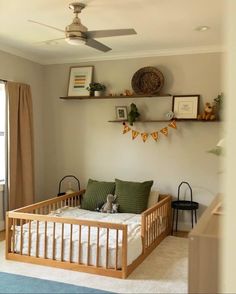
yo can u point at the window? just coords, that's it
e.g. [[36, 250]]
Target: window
[[2, 130]]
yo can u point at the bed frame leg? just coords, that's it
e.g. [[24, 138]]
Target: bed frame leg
[[8, 235]]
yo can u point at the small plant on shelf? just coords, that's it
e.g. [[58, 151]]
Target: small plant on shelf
[[218, 104], [96, 88]]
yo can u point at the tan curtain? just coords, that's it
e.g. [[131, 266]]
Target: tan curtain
[[21, 156]]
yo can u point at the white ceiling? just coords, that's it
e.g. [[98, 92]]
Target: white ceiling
[[163, 27]]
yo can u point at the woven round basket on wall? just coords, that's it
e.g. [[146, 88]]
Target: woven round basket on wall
[[147, 81]]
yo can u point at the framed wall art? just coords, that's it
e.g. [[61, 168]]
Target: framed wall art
[[79, 79], [121, 112], [186, 106]]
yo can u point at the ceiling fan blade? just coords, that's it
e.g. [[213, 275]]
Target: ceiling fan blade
[[110, 33], [48, 42], [45, 25], [97, 45]]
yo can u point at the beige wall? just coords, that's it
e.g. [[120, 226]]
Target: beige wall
[[79, 140], [229, 237], [75, 137], [21, 70]]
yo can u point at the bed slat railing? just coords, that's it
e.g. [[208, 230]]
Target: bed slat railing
[[156, 222], [37, 217], [73, 246]]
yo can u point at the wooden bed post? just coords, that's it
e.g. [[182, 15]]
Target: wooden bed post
[[143, 232], [124, 252], [8, 234]]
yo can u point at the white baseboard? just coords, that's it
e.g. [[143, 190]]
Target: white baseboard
[[2, 225]]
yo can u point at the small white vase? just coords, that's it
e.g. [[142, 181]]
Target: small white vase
[[97, 93]]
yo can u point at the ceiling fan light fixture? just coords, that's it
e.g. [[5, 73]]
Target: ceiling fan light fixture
[[75, 41]]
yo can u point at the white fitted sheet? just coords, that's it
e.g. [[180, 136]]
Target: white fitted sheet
[[133, 222], [134, 237]]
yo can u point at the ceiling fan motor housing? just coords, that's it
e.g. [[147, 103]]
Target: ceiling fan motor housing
[[76, 29]]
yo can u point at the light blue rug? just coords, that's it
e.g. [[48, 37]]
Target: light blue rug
[[11, 283]]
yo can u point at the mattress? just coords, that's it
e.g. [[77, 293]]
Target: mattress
[[134, 248], [133, 222]]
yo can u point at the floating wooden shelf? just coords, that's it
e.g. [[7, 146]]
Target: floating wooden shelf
[[113, 97], [163, 120]]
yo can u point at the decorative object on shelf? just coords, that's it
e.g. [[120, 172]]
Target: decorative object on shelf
[[209, 112], [127, 93], [147, 80], [170, 115], [218, 104], [133, 114], [111, 94], [145, 135], [79, 79], [121, 112], [96, 89], [186, 106], [70, 190]]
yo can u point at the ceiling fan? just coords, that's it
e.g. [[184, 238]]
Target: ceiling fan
[[76, 33]]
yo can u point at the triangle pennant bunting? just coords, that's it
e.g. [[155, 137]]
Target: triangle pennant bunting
[[173, 124], [134, 134], [155, 136], [144, 136], [126, 129], [164, 131]]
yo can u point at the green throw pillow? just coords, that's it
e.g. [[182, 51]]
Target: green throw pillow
[[96, 194], [132, 197]]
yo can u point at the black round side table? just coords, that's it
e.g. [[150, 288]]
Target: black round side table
[[183, 205]]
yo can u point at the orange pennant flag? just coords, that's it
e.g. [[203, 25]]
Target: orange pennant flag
[[164, 131], [144, 136], [134, 134], [126, 129], [154, 136], [173, 124]]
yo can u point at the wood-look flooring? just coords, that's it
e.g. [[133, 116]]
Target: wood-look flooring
[[181, 234]]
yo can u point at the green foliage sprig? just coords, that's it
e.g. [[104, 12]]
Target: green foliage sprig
[[219, 101], [96, 87]]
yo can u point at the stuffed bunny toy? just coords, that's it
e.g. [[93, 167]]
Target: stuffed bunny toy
[[115, 207], [107, 207]]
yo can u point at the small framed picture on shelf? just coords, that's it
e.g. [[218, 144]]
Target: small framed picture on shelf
[[186, 106], [121, 112], [79, 79]]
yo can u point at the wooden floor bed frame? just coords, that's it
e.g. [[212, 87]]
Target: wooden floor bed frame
[[150, 233]]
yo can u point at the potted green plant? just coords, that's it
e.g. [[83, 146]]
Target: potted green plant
[[96, 88], [218, 103]]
